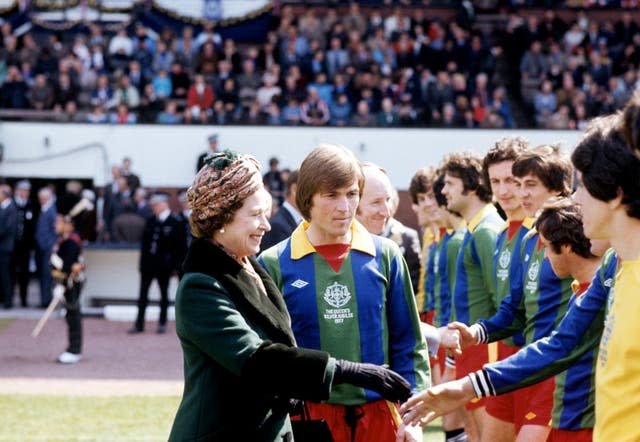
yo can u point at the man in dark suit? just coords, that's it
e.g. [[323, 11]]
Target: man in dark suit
[[287, 218], [46, 237], [8, 222], [213, 147], [25, 231], [161, 253]]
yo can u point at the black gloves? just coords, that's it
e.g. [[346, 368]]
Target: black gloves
[[389, 384]]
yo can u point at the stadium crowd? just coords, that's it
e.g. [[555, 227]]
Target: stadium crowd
[[364, 67]]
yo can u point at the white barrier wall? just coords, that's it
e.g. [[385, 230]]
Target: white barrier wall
[[165, 156]]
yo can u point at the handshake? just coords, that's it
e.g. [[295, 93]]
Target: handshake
[[389, 384]]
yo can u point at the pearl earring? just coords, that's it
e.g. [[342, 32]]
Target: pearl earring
[[221, 230]]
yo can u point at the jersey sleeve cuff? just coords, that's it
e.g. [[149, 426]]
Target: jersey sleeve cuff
[[481, 384], [481, 333]]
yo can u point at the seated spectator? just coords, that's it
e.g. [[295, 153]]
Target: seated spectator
[[220, 114], [336, 58], [102, 95], [253, 115], [363, 116], [324, 89], [268, 91], [340, 111], [560, 119], [122, 115], [162, 84], [64, 92], [170, 114], [387, 116], [206, 60], [314, 111], [544, 103], [41, 94], [138, 78], [13, 93], [290, 114], [248, 83], [72, 114], [499, 103], [150, 105], [272, 114], [121, 43], [179, 81], [534, 63], [163, 58], [407, 114], [200, 99], [125, 94], [96, 115]]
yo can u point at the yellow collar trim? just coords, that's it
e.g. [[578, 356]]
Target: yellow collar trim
[[485, 211], [360, 240]]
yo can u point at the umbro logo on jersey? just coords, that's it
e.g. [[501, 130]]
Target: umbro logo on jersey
[[299, 283], [608, 282]]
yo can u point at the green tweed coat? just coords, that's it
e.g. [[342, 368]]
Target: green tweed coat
[[241, 366]]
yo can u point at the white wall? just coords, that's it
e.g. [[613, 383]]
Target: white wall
[[165, 156]]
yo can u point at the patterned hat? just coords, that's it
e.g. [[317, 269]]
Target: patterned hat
[[226, 178]]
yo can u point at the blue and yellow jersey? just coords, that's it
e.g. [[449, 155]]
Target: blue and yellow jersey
[[474, 290], [569, 353], [365, 312]]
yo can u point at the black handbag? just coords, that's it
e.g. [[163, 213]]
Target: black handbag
[[310, 430]]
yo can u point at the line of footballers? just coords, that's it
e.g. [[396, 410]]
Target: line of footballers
[[541, 310]]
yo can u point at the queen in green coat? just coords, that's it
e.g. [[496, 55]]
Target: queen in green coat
[[242, 369]]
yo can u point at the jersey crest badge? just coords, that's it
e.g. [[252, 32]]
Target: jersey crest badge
[[337, 295]]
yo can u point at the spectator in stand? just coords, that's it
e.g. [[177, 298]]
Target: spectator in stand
[[268, 91], [96, 115], [180, 81], [200, 99], [122, 115], [121, 43], [41, 94], [253, 115], [125, 94], [363, 116], [340, 111], [150, 105], [314, 111], [163, 58], [336, 57], [544, 103], [102, 95], [534, 64], [170, 114], [64, 92], [290, 114], [138, 78], [162, 84], [206, 60], [248, 83]]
